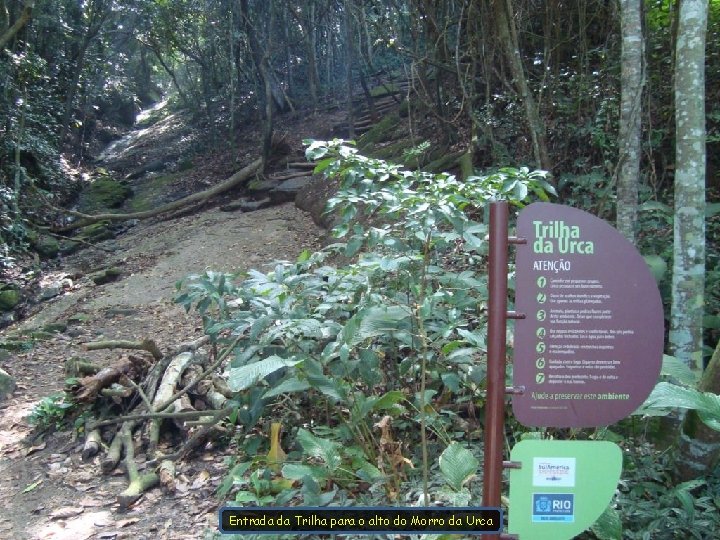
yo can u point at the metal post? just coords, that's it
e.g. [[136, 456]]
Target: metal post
[[497, 334]]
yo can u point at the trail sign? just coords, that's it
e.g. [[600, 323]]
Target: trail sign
[[562, 487], [589, 350]]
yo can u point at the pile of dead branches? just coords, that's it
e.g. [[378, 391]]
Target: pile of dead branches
[[142, 396]]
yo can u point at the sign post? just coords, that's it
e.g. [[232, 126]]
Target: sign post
[[587, 352]]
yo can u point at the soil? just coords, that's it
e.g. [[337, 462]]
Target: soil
[[46, 491]]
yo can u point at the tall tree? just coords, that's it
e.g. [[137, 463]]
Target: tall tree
[[7, 32], [504, 20], [688, 280], [631, 80], [699, 445]]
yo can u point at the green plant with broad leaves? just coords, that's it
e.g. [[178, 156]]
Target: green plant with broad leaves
[[388, 350], [52, 411]]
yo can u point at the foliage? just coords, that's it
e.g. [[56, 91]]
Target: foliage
[[51, 412], [654, 506], [388, 343]]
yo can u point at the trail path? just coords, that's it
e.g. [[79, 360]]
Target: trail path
[[46, 492]]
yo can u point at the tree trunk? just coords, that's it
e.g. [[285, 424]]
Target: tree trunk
[[511, 48], [631, 77], [19, 24], [348, 69], [262, 64], [688, 280], [699, 445]]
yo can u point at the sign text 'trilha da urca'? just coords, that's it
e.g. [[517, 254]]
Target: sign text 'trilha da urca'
[[589, 350]]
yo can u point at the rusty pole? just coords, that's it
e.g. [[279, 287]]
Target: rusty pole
[[497, 334]]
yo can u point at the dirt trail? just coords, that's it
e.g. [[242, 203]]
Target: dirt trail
[[46, 492]]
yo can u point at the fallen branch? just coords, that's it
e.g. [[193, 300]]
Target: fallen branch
[[138, 483], [170, 379], [146, 345], [204, 374], [114, 453], [92, 445], [166, 472], [189, 415], [201, 435], [87, 388], [236, 179]]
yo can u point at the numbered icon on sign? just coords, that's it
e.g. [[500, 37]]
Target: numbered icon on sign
[[540, 315]]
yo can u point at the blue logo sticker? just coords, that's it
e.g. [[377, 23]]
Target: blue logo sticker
[[553, 508]]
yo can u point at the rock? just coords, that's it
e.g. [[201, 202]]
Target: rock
[[123, 312], [41, 335], [46, 293], [9, 298], [312, 199], [7, 384], [17, 344], [245, 205], [262, 186], [288, 190], [69, 246], [106, 276], [47, 246], [55, 328], [78, 318], [7, 318], [104, 193], [96, 232], [153, 166]]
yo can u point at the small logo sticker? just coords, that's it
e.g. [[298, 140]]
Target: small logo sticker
[[559, 472], [553, 508]]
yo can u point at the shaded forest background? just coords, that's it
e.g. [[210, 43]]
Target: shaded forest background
[[492, 83]]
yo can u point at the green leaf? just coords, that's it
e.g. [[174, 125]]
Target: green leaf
[[354, 245], [388, 399], [246, 376], [333, 388], [608, 526], [678, 370], [324, 164], [298, 471], [317, 447], [712, 209], [655, 206], [375, 321], [668, 396], [458, 465], [657, 265], [288, 386]]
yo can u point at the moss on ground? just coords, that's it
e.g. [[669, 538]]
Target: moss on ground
[[149, 194], [103, 194], [383, 131]]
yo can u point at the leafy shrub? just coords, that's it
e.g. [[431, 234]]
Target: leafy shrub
[[376, 347]]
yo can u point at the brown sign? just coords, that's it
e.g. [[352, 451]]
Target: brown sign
[[590, 348]]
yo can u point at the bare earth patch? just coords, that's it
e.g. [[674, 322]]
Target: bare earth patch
[[46, 491]]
